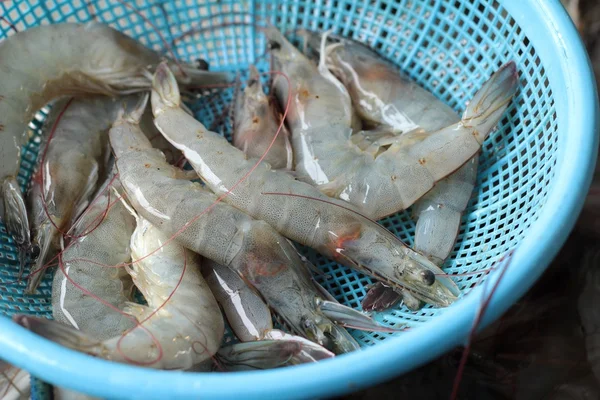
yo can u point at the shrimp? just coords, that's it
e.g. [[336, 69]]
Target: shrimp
[[84, 59], [394, 178], [110, 226], [248, 315], [251, 321], [256, 119], [385, 97], [158, 141], [301, 212], [265, 354], [74, 161], [226, 235], [438, 215], [182, 324]]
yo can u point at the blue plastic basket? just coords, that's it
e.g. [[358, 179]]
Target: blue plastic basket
[[533, 175]]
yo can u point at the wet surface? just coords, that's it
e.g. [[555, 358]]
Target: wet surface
[[547, 346]]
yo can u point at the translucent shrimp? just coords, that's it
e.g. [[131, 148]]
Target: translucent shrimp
[[383, 96], [265, 354], [248, 315], [400, 172], [109, 227], [50, 61], [220, 232], [251, 321], [256, 120], [182, 324], [300, 211], [69, 169], [438, 216]]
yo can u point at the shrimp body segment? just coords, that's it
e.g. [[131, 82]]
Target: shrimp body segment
[[256, 121], [50, 61], [299, 211], [384, 182], [94, 261], [222, 233], [182, 324], [75, 161]]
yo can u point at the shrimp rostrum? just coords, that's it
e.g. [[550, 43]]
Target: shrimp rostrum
[[89, 58], [296, 209], [252, 248]]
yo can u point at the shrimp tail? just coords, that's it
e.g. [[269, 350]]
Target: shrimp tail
[[351, 318], [59, 333], [488, 104], [267, 354], [165, 93], [16, 219], [341, 341]]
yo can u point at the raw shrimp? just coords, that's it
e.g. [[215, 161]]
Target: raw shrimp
[[69, 169], [251, 321], [182, 325], [220, 232], [50, 61], [248, 315], [393, 178], [256, 119], [158, 141], [86, 260], [438, 215], [301, 212], [382, 95], [274, 353]]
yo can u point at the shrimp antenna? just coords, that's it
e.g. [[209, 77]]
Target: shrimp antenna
[[136, 11], [507, 257]]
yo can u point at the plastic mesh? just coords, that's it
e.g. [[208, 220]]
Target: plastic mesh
[[448, 47]]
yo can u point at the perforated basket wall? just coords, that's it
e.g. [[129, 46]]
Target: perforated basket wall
[[449, 47], [441, 53]]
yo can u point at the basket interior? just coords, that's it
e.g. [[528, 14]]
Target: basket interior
[[448, 47]]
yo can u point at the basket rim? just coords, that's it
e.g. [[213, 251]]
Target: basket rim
[[350, 372]]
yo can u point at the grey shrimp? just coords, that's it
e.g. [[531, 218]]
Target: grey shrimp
[[381, 182], [301, 212], [162, 194], [89, 58]]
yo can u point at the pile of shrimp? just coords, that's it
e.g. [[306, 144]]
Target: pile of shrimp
[[155, 260]]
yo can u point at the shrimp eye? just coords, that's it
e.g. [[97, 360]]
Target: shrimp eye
[[428, 277], [35, 251], [273, 45], [202, 64], [252, 82]]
